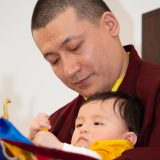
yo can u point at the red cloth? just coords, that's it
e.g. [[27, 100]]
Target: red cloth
[[143, 79], [43, 153]]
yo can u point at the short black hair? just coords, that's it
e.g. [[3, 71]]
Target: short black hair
[[130, 108], [47, 10]]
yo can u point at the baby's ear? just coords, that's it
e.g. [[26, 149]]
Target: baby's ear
[[131, 136]]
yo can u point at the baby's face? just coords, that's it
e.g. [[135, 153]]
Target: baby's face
[[98, 121]]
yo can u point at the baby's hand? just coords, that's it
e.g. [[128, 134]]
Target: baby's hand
[[47, 139], [41, 122]]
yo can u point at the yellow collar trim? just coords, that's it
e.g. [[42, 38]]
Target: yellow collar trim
[[117, 84]]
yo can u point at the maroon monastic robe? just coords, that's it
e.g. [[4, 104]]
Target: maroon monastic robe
[[143, 79]]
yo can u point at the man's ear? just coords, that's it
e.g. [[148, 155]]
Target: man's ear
[[109, 21], [131, 136]]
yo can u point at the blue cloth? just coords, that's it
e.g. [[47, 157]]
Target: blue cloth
[[2, 155], [9, 131]]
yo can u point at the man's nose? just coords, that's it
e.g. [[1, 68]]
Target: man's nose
[[70, 66]]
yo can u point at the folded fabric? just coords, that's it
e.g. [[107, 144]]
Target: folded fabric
[[8, 131], [43, 153], [111, 149], [3, 156], [7, 151]]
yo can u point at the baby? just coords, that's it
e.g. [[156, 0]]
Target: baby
[[107, 124]]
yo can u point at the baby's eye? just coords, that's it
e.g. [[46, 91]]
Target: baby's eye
[[78, 125], [98, 123]]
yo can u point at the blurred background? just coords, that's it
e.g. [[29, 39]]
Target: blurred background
[[26, 78]]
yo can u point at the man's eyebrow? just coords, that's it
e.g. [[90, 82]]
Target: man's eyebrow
[[69, 38]]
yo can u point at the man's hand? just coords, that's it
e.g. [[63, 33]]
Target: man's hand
[[40, 123]]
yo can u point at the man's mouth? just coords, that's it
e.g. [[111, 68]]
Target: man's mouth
[[83, 82]]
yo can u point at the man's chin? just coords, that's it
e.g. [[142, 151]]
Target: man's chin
[[86, 94], [90, 94]]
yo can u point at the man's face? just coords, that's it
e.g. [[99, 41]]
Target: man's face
[[84, 56], [97, 121]]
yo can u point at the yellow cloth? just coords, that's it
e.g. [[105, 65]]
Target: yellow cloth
[[111, 149], [19, 153], [117, 84]]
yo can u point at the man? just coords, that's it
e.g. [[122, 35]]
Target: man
[[80, 39]]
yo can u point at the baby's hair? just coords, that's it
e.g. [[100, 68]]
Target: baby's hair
[[130, 108]]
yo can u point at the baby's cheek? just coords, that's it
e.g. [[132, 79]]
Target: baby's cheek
[[74, 137]]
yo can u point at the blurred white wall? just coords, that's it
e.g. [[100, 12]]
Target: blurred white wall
[[26, 78]]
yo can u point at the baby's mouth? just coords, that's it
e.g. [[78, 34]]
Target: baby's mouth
[[83, 142]]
